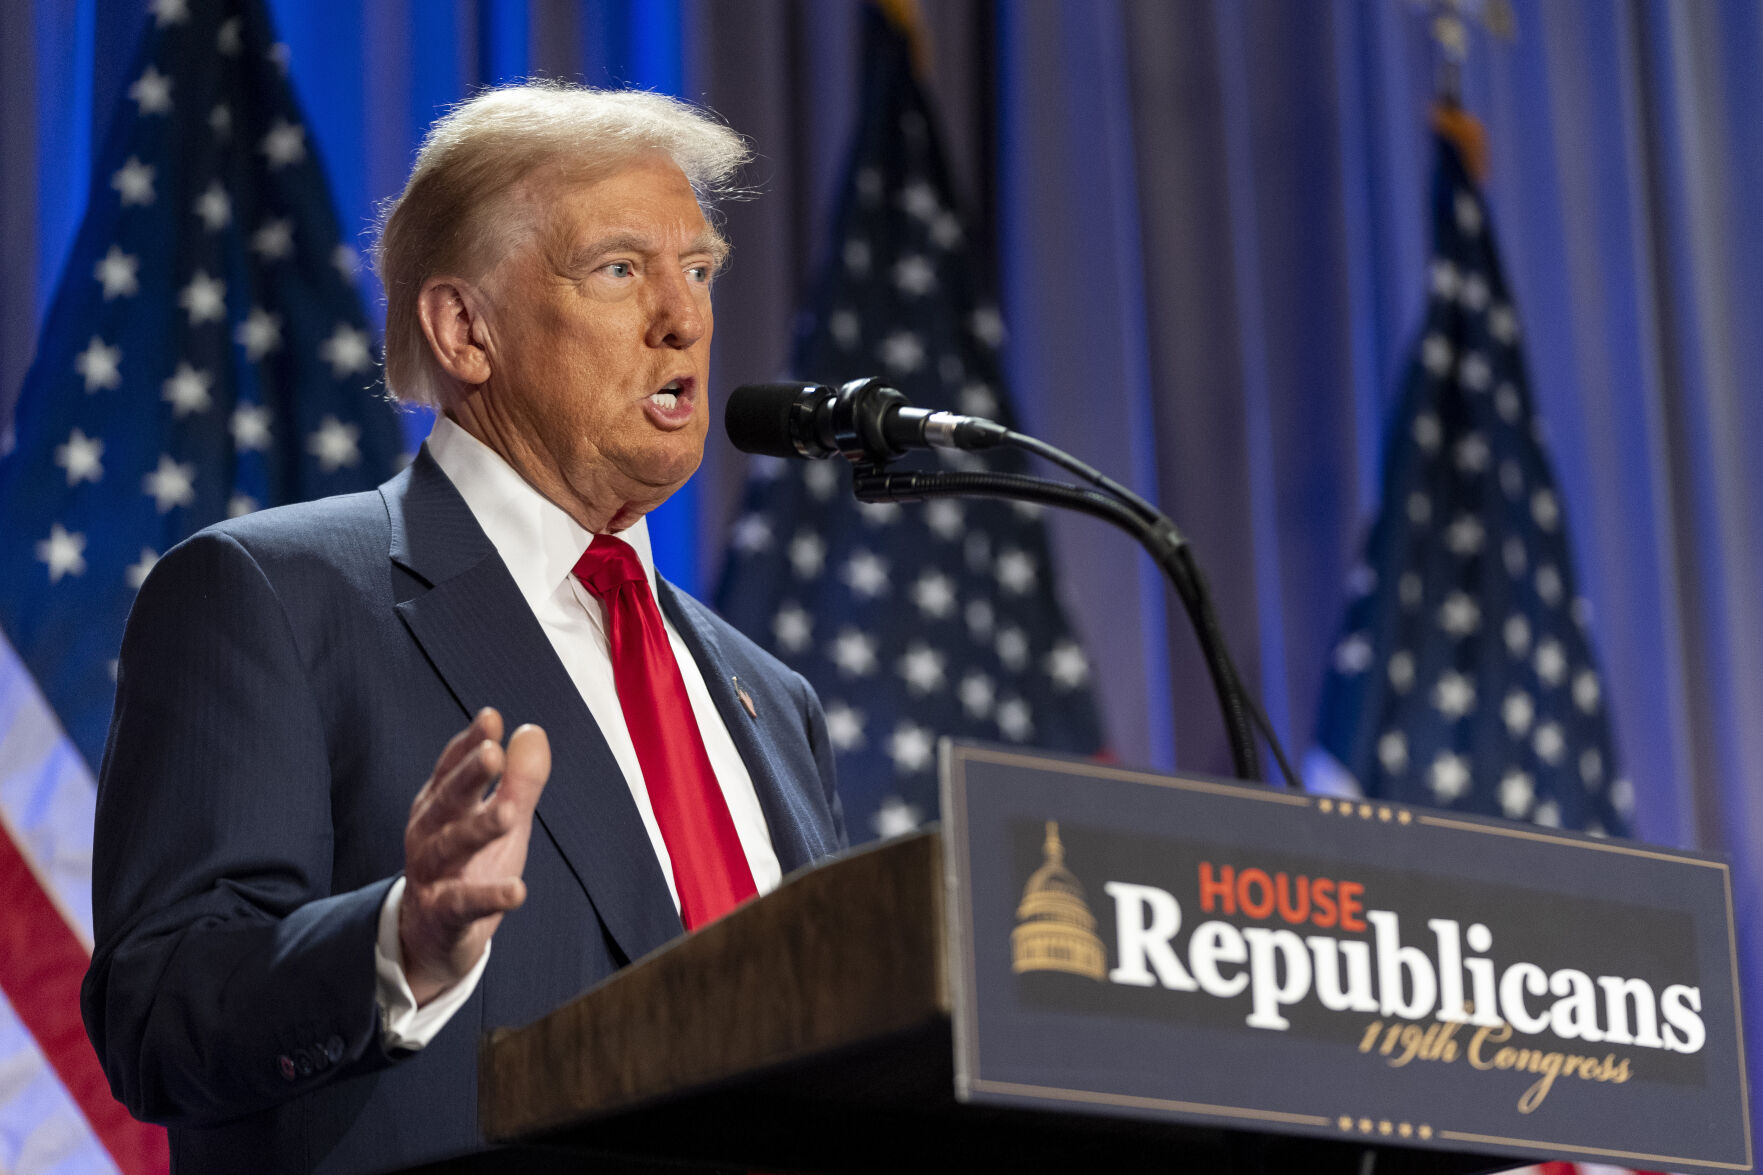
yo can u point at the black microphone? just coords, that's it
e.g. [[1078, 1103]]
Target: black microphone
[[864, 420]]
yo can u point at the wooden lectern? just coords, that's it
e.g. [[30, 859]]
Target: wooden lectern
[[810, 1031]]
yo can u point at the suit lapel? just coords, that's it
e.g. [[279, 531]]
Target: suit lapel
[[789, 824], [476, 628]]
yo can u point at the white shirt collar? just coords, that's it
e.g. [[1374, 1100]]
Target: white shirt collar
[[538, 541]]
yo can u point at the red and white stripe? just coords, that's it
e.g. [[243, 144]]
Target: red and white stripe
[[56, 1112]]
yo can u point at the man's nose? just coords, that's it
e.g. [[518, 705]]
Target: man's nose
[[680, 314]]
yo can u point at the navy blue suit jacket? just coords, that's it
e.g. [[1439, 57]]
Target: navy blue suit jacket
[[286, 683]]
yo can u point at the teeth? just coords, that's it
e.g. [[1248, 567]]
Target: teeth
[[665, 400]]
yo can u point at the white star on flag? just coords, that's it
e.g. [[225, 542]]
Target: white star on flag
[[134, 181], [1459, 615], [1586, 691], [987, 326], [1517, 634], [793, 627], [844, 726], [751, 532], [82, 457], [1012, 645], [118, 273], [1016, 571], [902, 352], [976, 692], [274, 239], [335, 444], [152, 92], [169, 12], [204, 298], [226, 40], [867, 574], [919, 199], [1465, 535], [1015, 720], [1067, 665], [1551, 662], [64, 552], [1401, 670], [347, 351], [220, 121], [171, 484], [284, 144], [1467, 212], [260, 333], [99, 365], [240, 505], [1454, 695], [135, 574], [187, 391], [944, 517], [1449, 777], [250, 427], [977, 399], [1518, 711], [911, 747], [1517, 791], [347, 260], [914, 276], [895, 817], [1392, 752], [854, 653], [1549, 743], [821, 478], [1353, 654], [922, 668], [214, 207], [807, 554], [847, 328], [934, 594]]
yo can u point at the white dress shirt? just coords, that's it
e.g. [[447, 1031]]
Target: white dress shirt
[[540, 544]]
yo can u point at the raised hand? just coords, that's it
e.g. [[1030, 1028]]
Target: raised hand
[[464, 852]]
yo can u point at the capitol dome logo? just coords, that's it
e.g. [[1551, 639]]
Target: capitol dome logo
[[1055, 930]]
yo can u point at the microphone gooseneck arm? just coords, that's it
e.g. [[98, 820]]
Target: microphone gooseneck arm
[[1156, 533]]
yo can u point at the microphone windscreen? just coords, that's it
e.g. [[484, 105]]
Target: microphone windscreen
[[757, 417]]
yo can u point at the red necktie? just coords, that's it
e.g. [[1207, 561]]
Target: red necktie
[[709, 866]]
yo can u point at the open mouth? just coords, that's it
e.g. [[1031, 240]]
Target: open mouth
[[672, 402]]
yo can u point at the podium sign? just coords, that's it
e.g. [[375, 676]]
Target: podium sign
[[1210, 952]]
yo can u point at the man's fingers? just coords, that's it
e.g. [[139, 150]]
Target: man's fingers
[[486, 724], [454, 844], [459, 903], [527, 768]]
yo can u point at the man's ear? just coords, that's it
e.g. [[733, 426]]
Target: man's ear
[[450, 311]]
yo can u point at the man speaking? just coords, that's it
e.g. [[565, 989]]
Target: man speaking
[[299, 937]]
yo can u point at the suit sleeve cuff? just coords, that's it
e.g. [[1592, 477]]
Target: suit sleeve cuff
[[403, 1025]]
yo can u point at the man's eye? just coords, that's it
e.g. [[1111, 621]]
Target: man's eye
[[699, 274], [620, 269]]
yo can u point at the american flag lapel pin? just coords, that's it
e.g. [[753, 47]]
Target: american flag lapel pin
[[746, 698]]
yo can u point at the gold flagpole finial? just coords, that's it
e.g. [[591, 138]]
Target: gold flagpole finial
[[1449, 23]]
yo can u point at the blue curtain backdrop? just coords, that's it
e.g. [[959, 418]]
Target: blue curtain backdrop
[[1208, 219]]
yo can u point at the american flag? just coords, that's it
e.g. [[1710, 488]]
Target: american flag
[[1464, 675], [206, 354], [910, 621]]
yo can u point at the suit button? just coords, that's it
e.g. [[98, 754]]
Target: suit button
[[286, 1064], [303, 1062], [333, 1049]]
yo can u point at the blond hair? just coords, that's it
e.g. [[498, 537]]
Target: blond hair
[[455, 215]]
